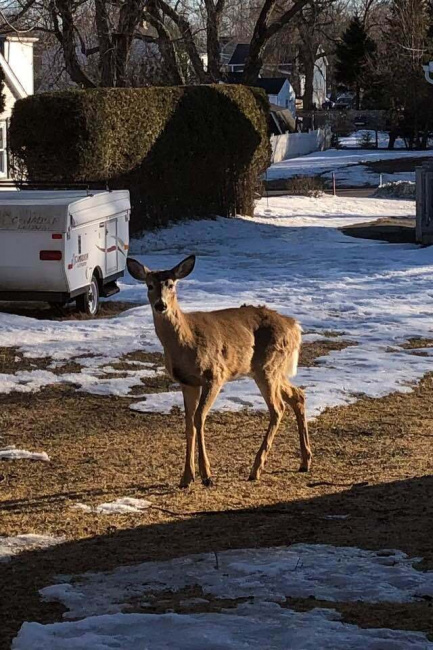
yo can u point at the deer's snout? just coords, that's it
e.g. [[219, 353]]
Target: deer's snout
[[160, 306]]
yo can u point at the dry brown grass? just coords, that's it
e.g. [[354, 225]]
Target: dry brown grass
[[417, 343], [372, 462]]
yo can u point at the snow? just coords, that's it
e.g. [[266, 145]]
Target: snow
[[10, 546], [346, 164], [247, 627], [123, 505], [291, 257], [355, 139], [12, 453], [266, 577]]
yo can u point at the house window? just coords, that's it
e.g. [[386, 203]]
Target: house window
[[3, 147]]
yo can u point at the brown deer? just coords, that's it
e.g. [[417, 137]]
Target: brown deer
[[204, 350]]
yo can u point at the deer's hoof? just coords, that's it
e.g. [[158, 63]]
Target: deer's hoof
[[304, 468], [185, 482], [253, 477], [207, 482]]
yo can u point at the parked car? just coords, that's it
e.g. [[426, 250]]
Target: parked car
[[63, 245], [345, 101]]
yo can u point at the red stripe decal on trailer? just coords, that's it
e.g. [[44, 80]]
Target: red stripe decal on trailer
[[111, 249]]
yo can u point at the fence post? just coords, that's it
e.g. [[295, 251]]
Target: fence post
[[334, 185], [380, 180]]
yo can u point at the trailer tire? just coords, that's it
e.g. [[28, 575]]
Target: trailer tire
[[88, 302]]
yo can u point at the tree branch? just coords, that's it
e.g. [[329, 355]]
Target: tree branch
[[187, 37]]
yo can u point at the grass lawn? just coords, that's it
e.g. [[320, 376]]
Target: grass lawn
[[372, 462]]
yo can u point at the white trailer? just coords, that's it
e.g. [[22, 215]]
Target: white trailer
[[63, 245]]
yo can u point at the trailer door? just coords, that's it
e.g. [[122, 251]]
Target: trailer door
[[111, 251]]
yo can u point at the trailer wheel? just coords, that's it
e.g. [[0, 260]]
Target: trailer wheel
[[88, 302]]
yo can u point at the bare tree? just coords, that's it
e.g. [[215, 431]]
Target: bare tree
[[105, 31]]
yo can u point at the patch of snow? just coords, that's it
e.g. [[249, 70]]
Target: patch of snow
[[347, 165], [327, 572], [10, 546], [266, 576], [82, 506], [291, 257], [12, 453], [252, 626], [356, 139], [123, 505]]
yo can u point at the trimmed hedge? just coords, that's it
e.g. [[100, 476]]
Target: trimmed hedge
[[181, 151]]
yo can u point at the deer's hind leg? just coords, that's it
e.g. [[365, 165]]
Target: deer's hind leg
[[269, 386], [296, 398], [191, 398]]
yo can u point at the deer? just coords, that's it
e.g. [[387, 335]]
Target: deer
[[204, 350]]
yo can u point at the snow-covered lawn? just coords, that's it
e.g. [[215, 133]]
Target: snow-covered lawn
[[101, 605], [346, 164], [291, 257]]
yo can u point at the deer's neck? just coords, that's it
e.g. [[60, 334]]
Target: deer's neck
[[172, 328]]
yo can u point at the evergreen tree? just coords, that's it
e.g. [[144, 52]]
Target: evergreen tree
[[407, 45], [353, 53]]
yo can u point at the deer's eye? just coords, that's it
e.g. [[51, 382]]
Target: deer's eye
[[150, 287], [170, 285]]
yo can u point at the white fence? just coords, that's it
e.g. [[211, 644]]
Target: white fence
[[291, 145]]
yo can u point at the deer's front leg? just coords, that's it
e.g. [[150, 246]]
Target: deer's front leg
[[191, 398], [209, 394]]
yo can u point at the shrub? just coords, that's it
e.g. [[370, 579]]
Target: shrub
[[366, 140], [299, 185], [397, 190], [182, 151]]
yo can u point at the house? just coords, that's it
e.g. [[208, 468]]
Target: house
[[236, 64], [279, 92], [16, 61]]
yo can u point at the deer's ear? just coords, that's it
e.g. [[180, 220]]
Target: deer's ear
[[137, 270], [184, 268]]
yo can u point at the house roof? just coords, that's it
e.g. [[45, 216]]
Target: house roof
[[240, 54], [271, 85]]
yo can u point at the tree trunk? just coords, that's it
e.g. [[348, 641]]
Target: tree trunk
[[263, 31], [66, 36], [107, 67], [130, 16], [308, 65], [165, 45], [212, 32]]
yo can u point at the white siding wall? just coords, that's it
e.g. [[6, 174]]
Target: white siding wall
[[292, 145], [19, 55]]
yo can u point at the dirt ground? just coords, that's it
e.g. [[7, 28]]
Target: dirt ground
[[394, 165], [395, 231], [372, 462]]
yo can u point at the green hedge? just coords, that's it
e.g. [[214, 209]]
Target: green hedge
[[181, 151]]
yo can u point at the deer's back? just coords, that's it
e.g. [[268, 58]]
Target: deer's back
[[239, 341]]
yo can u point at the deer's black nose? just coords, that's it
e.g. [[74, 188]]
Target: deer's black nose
[[160, 306]]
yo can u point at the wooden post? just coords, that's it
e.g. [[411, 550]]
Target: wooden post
[[334, 185]]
